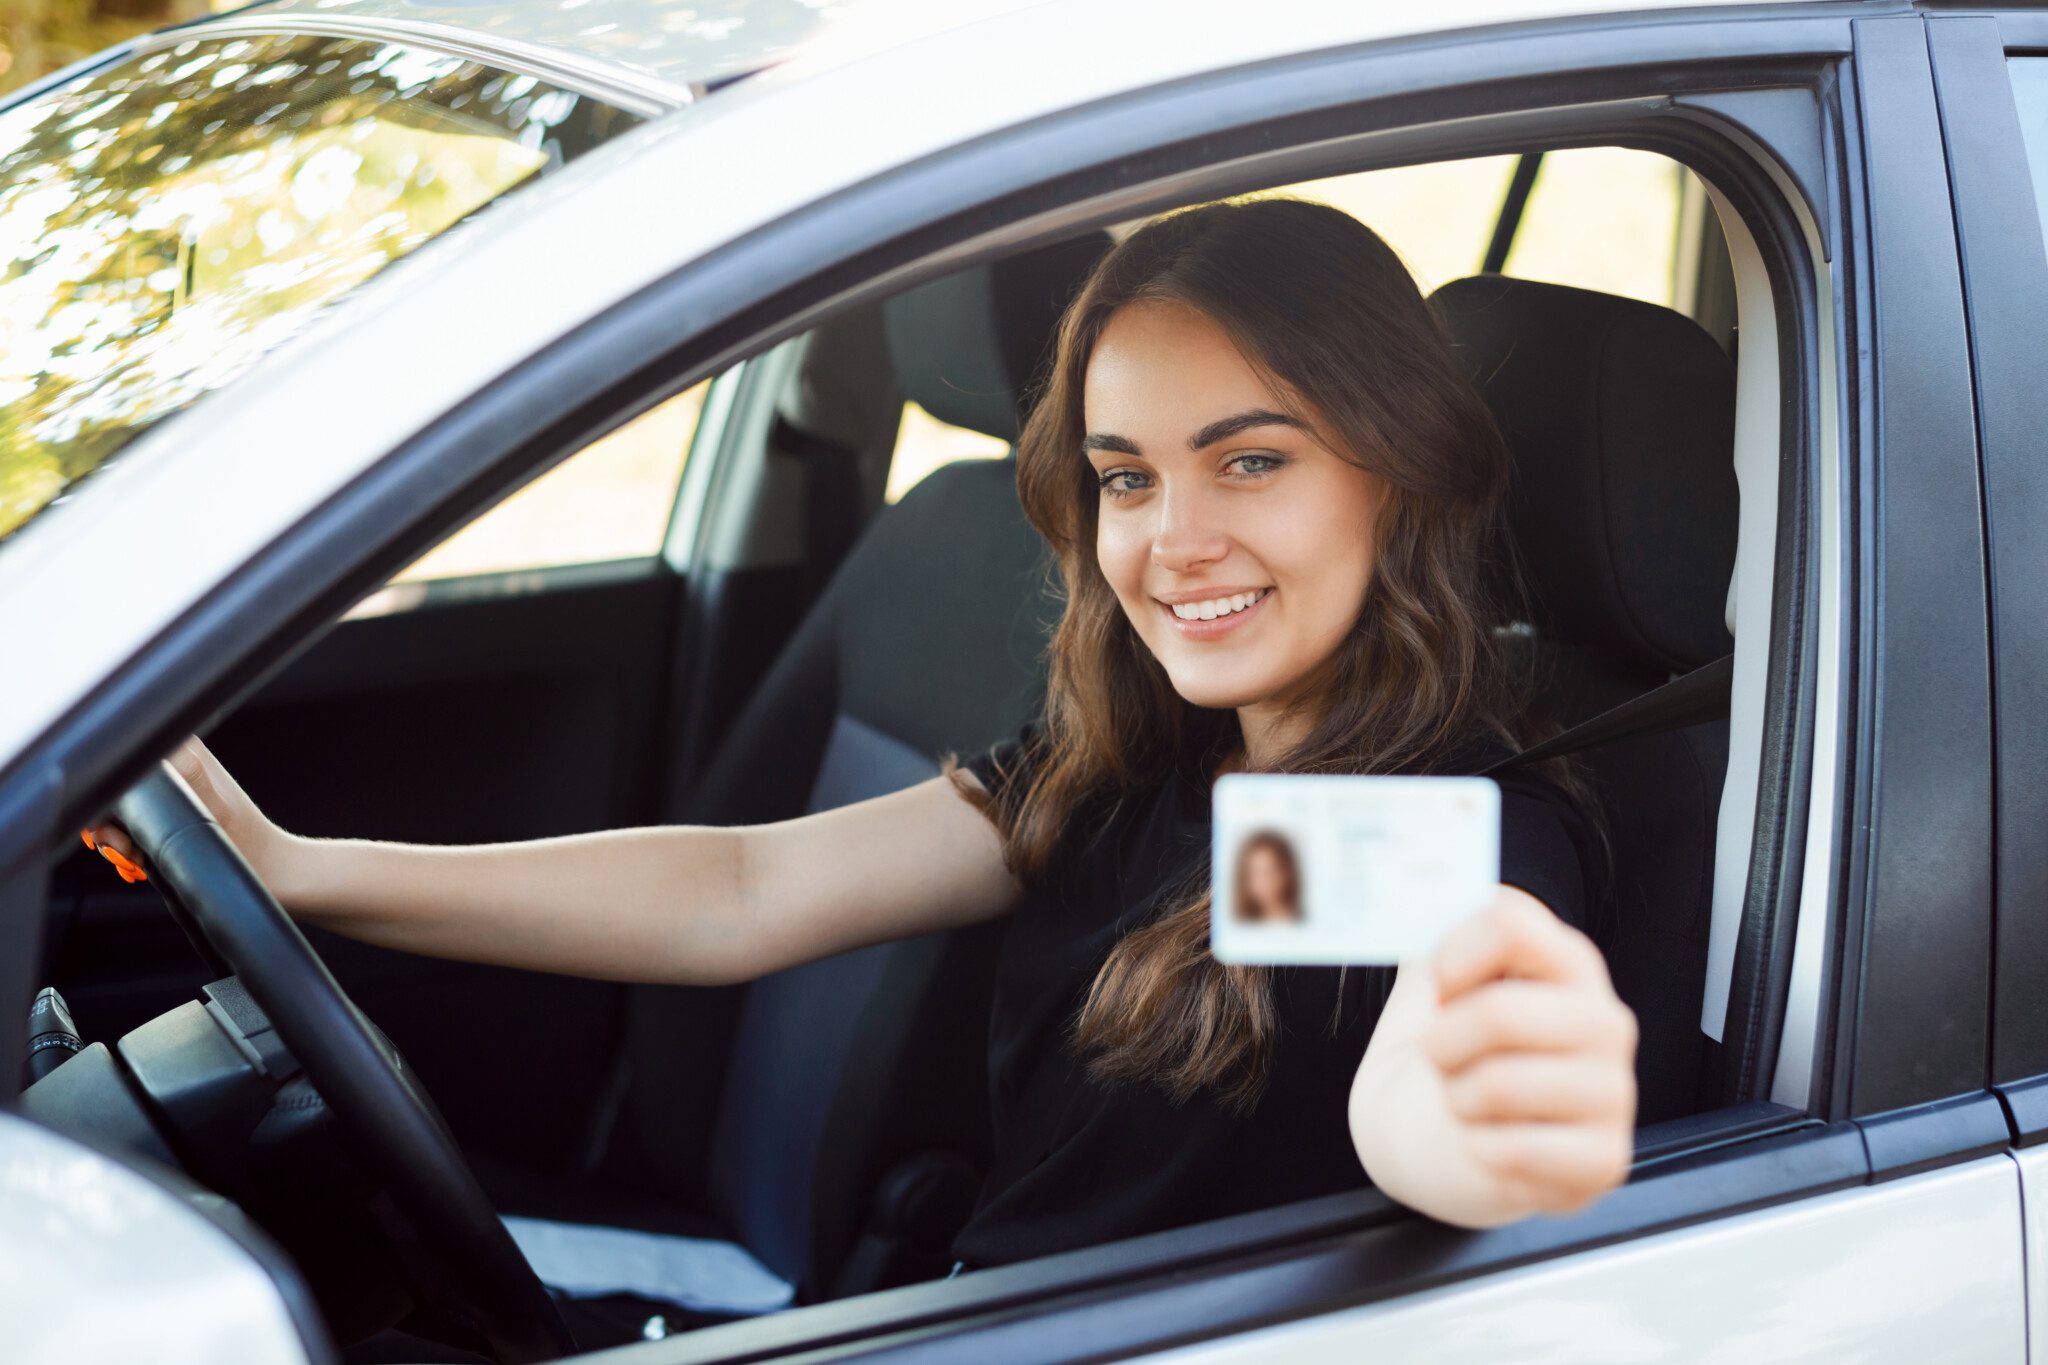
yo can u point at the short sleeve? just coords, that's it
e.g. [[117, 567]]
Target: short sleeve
[[1007, 763], [1545, 847]]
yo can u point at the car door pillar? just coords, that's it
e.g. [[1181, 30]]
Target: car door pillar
[[2005, 274], [1914, 1004]]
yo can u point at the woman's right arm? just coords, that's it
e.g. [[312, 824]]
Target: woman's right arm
[[698, 905]]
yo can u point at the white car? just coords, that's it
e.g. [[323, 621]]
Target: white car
[[295, 292]]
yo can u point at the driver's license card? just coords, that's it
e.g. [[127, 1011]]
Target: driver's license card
[[1335, 870]]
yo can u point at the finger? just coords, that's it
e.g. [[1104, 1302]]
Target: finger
[[1553, 1167], [1533, 1086], [111, 842], [191, 759], [113, 837], [210, 782], [1516, 936], [1527, 1016]]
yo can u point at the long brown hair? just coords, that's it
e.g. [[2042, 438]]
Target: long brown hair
[[1330, 317]]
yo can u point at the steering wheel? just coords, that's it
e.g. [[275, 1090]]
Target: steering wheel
[[377, 1101]]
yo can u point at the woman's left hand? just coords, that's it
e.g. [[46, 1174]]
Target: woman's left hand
[[1500, 1081]]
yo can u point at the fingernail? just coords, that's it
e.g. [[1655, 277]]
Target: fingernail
[[130, 870], [86, 835]]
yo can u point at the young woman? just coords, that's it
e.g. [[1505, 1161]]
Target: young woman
[[1275, 501], [1268, 883]]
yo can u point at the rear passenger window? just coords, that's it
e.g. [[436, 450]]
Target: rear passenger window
[[1611, 219], [923, 443], [610, 500], [1606, 218], [2030, 91]]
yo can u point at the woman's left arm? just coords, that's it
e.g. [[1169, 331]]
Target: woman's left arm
[[1500, 1079]]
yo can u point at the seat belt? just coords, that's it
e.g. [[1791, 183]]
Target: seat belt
[[1689, 699]]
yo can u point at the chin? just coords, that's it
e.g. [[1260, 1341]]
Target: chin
[[1221, 693]]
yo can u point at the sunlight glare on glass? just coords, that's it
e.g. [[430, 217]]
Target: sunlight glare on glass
[[167, 221]]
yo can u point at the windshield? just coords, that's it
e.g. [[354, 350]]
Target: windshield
[[166, 220]]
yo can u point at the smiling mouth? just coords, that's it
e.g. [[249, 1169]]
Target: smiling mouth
[[1215, 607]]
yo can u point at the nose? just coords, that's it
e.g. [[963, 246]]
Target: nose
[[1187, 538]]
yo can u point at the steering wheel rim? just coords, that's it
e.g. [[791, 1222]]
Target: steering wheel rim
[[365, 1083]]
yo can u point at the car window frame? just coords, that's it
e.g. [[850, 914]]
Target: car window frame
[[1291, 1260], [1919, 860]]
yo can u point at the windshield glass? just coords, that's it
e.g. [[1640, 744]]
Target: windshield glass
[[166, 220]]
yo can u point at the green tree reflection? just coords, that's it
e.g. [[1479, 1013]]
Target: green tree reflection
[[166, 221]]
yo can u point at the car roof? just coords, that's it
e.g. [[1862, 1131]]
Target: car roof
[[676, 50], [204, 491], [669, 51]]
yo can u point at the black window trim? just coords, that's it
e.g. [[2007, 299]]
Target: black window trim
[[1917, 948], [411, 497], [2005, 277]]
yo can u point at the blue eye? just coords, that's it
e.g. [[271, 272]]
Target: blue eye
[[1256, 466], [1111, 488]]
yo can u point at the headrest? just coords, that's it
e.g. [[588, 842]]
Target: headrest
[[1620, 417], [966, 346]]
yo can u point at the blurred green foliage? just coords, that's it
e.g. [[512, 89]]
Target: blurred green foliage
[[41, 36], [165, 221]]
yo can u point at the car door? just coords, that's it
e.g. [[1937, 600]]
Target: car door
[[1916, 1258], [1858, 1198]]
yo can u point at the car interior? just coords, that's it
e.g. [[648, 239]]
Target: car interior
[[821, 1133]]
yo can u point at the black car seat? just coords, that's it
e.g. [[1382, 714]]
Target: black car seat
[[850, 1136], [1620, 416]]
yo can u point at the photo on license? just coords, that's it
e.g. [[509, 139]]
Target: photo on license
[[1336, 870]]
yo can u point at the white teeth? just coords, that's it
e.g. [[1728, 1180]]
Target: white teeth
[[1217, 606]]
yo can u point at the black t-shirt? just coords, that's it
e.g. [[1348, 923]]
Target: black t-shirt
[[1078, 1162]]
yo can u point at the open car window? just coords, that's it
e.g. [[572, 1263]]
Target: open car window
[[166, 220]]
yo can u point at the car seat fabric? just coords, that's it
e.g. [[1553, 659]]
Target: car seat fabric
[[855, 1096], [1620, 417], [930, 639], [969, 346]]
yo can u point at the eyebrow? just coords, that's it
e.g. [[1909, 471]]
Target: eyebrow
[[1220, 429]]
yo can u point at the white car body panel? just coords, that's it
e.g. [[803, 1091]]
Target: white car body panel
[[2033, 1164], [1923, 1268], [191, 501], [100, 1263]]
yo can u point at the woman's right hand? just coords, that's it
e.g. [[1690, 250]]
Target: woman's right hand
[[253, 833]]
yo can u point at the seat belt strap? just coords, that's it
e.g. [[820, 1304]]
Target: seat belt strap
[[1689, 699]]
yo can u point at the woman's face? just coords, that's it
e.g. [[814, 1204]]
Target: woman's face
[[1238, 545], [1269, 884]]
